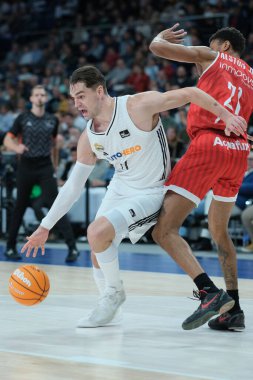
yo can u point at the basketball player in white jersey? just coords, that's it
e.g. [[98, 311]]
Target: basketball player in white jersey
[[126, 131]]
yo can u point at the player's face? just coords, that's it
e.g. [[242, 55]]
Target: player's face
[[38, 97], [86, 100]]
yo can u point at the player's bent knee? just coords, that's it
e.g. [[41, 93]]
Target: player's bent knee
[[94, 233], [98, 234]]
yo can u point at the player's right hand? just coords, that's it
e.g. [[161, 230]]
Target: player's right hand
[[35, 242], [173, 35], [236, 125], [21, 148]]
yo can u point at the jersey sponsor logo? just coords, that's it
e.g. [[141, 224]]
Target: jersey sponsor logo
[[125, 152], [234, 60], [247, 80], [236, 145], [124, 133], [98, 147]]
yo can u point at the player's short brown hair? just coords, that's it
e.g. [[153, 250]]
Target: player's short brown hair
[[90, 76]]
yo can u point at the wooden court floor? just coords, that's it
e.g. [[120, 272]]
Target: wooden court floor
[[43, 343]]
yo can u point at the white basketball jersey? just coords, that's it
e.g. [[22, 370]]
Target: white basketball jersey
[[141, 159]]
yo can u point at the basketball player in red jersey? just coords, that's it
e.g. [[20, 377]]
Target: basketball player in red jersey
[[213, 161]]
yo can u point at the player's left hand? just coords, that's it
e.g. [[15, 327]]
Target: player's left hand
[[236, 125], [173, 35]]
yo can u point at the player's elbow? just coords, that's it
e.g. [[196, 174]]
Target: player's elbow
[[186, 95], [190, 93]]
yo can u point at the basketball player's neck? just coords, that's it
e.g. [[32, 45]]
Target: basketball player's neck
[[102, 120], [231, 52]]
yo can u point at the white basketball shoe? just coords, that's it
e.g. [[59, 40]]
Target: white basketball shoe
[[108, 311]]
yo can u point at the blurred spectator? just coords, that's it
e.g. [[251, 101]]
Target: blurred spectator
[[101, 174], [7, 117], [13, 55], [116, 78], [176, 146], [151, 68], [168, 121], [96, 51], [181, 120], [80, 33], [138, 80], [181, 79]]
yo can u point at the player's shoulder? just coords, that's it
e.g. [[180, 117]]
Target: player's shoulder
[[23, 116], [143, 97]]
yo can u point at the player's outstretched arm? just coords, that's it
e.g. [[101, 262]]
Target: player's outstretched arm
[[68, 194], [234, 124], [167, 44], [155, 102]]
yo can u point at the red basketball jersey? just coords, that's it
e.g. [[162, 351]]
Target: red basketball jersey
[[230, 81]]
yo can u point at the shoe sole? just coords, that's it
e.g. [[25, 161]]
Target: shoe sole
[[236, 329], [205, 318], [231, 328], [116, 321], [97, 326]]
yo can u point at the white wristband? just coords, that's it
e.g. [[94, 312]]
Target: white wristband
[[68, 195]]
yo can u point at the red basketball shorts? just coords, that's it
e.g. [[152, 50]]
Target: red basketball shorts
[[214, 162]]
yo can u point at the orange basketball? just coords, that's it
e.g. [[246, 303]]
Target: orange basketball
[[29, 285]]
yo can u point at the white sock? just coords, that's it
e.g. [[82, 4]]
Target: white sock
[[109, 264], [99, 279]]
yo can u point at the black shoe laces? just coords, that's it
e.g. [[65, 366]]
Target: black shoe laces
[[198, 295]]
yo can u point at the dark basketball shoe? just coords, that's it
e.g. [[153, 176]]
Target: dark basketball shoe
[[211, 304], [234, 321], [72, 255], [12, 254]]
